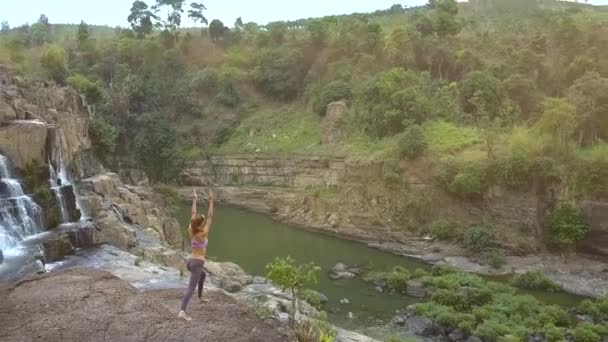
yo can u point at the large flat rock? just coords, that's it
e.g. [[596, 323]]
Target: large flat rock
[[91, 305], [23, 141]]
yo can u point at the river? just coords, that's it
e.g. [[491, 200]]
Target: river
[[253, 240]]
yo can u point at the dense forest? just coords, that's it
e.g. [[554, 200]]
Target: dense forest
[[488, 92]]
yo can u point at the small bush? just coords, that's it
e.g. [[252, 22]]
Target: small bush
[[443, 230], [469, 182], [585, 332], [440, 270], [596, 309], [419, 273], [91, 90], [55, 63], [311, 297], [413, 144], [170, 196], [566, 226], [390, 171], [476, 239], [592, 171], [103, 137], [334, 91], [228, 96], [263, 312], [534, 280], [496, 258], [206, 81], [397, 279]]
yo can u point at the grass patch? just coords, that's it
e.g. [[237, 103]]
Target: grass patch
[[283, 130], [447, 138]]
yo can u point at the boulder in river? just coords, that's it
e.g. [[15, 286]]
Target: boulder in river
[[344, 301], [341, 271], [415, 289], [456, 335], [421, 326], [259, 280], [537, 337]]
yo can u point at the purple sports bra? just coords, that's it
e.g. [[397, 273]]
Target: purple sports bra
[[196, 244]]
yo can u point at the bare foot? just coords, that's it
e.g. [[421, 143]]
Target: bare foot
[[183, 315]]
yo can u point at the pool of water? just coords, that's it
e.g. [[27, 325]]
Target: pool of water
[[253, 240]]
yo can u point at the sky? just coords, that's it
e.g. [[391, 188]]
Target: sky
[[115, 12]]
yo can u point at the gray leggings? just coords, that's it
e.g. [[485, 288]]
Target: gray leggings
[[197, 276]]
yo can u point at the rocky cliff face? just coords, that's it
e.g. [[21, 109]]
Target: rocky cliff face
[[298, 172], [121, 211], [352, 198], [42, 122]]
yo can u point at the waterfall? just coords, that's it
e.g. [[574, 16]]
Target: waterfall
[[64, 176], [63, 208], [20, 216], [52, 175]]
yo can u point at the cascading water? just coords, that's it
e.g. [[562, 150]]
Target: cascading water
[[56, 182], [19, 215], [63, 176]]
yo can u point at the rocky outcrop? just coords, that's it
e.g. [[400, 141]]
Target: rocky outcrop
[[278, 171], [119, 209], [260, 199], [41, 121], [92, 305], [25, 141], [7, 113], [596, 240], [334, 123]]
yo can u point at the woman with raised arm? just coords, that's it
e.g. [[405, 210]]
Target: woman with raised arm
[[199, 233]]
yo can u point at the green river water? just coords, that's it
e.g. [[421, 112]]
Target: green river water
[[253, 240]]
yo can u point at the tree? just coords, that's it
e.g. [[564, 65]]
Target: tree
[[103, 137], [4, 27], [318, 31], [196, 13], [558, 120], [291, 277], [566, 226], [238, 24], [216, 30], [280, 72], [394, 100], [140, 19], [44, 20], [396, 46], [54, 63], [277, 32], [486, 87], [83, 35], [174, 15], [590, 96]]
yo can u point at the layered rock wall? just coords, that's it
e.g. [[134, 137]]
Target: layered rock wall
[[298, 172]]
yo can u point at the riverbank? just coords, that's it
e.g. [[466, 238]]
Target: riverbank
[[580, 274]]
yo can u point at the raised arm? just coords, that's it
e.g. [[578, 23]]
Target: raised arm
[[194, 197], [209, 212]]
